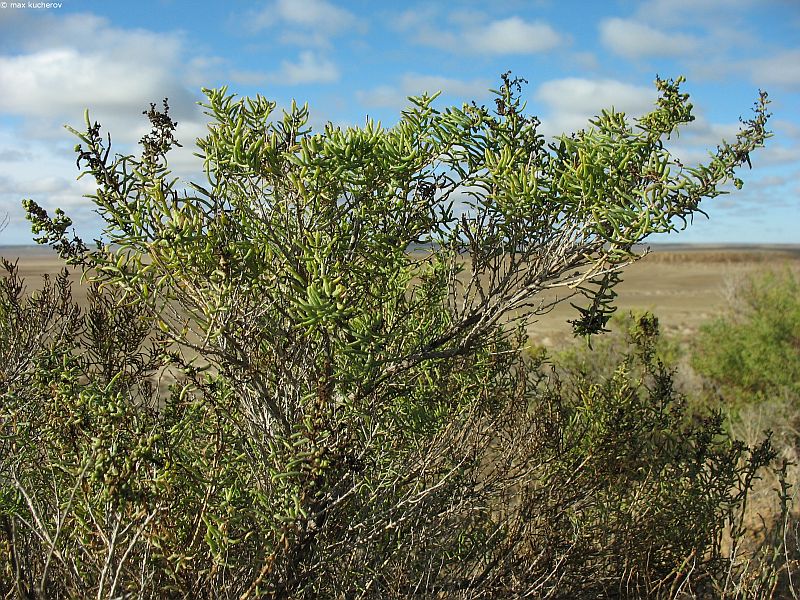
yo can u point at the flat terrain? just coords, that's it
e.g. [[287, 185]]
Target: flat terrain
[[36, 261], [683, 285]]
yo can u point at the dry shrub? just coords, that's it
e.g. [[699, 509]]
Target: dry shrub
[[506, 479]]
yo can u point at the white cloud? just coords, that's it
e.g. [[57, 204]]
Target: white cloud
[[307, 22], [245, 77], [571, 102], [681, 12], [310, 68], [475, 34], [64, 64], [585, 60], [783, 148], [781, 69], [200, 70], [382, 96], [14, 155], [780, 154], [45, 172], [512, 36], [633, 39], [697, 139], [316, 14], [65, 80], [81, 61]]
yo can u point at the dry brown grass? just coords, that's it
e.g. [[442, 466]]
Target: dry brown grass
[[734, 254], [684, 285]]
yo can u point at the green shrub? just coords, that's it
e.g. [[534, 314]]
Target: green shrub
[[599, 360], [576, 487], [355, 420], [752, 353]]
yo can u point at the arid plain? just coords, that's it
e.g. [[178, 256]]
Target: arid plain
[[683, 285]]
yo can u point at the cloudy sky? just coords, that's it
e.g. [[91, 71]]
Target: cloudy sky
[[351, 58]]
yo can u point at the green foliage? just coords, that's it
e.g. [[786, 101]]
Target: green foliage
[[752, 353], [573, 486], [352, 415], [289, 215], [666, 483], [599, 360]]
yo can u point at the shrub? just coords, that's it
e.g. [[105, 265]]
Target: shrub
[[598, 360], [571, 488], [351, 415], [752, 353]]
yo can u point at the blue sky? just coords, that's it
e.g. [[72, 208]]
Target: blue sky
[[353, 58]]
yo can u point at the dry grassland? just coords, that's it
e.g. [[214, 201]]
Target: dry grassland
[[683, 285]]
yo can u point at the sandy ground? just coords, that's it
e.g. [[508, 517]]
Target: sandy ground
[[35, 261], [683, 285]]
